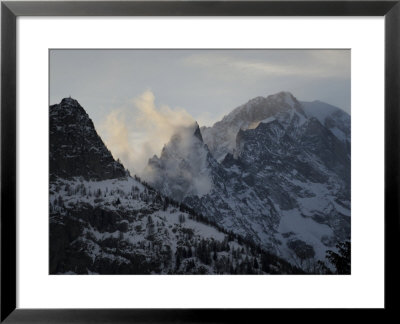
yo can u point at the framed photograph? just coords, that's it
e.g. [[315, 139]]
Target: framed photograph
[[197, 161]]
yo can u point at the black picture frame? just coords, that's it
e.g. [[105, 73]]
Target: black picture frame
[[10, 10]]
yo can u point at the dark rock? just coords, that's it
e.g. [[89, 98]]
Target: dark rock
[[75, 148]]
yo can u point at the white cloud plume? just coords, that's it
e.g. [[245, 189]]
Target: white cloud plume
[[117, 138], [139, 130]]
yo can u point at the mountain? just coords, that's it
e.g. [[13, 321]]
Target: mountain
[[75, 147], [333, 118], [103, 221], [278, 174], [221, 137], [184, 165]]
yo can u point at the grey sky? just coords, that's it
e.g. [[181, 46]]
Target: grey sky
[[205, 84], [211, 82]]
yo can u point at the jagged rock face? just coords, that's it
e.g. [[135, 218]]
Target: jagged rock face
[[75, 147], [285, 180], [183, 167], [305, 169]]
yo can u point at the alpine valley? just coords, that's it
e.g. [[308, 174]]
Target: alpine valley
[[266, 190]]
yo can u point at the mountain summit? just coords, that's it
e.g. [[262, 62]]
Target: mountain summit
[[221, 137], [183, 166], [75, 147]]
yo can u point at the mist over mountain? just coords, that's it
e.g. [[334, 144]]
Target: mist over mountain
[[275, 171], [104, 221], [184, 165], [221, 137]]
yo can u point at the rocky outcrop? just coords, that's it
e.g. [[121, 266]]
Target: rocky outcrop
[[75, 147]]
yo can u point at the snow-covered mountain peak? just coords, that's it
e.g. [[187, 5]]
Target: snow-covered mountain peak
[[183, 139], [283, 97], [76, 150], [184, 157], [320, 110], [197, 132], [335, 119], [283, 106]]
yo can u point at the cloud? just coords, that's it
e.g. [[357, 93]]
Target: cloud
[[140, 129], [313, 63], [164, 119], [117, 137]]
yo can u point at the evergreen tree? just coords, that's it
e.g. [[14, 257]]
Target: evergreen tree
[[177, 260], [341, 260], [255, 263]]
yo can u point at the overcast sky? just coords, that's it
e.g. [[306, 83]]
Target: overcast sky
[[134, 95]]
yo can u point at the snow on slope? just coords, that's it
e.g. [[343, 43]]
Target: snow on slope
[[280, 174], [335, 119], [120, 226]]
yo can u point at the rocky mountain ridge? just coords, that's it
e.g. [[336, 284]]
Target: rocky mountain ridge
[[278, 174]]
